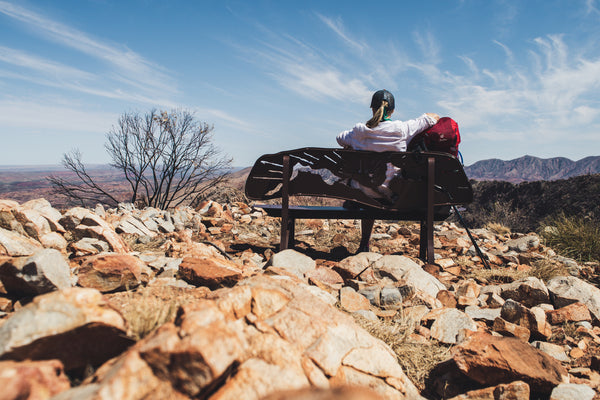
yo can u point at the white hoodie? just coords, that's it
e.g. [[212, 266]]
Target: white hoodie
[[387, 136]]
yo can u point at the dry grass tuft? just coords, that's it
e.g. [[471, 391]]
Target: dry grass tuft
[[574, 237], [148, 308], [496, 275], [417, 359], [498, 228], [548, 269]]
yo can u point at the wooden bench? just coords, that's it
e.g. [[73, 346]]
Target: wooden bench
[[423, 189]]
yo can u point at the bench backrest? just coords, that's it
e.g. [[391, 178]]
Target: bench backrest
[[325, 172]]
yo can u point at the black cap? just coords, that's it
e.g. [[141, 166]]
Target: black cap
[[381, 95]]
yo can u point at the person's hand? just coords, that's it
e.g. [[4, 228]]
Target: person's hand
[[434, 116]]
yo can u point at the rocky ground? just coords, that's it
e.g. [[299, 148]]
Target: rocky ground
[[150, 304]]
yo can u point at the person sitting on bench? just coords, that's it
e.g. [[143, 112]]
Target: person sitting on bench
[[381, 133]]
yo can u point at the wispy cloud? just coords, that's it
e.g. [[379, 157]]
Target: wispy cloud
[[591, 7], [124, 63], [546, 100], [40, 71], [505, 13], [428, 45], [539, 96], [305, 69], [337, 26], [52, 116], [47, 67]]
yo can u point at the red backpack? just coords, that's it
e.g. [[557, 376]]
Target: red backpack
[[443, 136]]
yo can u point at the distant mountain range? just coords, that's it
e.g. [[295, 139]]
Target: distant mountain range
[[529, 168]]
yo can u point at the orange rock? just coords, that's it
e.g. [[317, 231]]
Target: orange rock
[[571, 313], [447, 298], [517, 390], [492, 360], [506, 328], [352, 301], [211, 272], [524, 268], [324, 276], [32, 380], [56, 324], [576, 352], [339, 393], [110, 272]]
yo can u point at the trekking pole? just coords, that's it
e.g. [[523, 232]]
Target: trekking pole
[[477, 249], [464, 224]]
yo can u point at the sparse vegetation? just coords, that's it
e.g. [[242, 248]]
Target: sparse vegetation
[[548, 269], [575, 237], [417, 359], [523, 207], [498, 228], [496, 275], [167, 158], [144, 311]]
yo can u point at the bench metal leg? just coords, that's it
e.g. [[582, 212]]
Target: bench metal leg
[[430, 184], [285, 234], [366, 227], [423, 241], [287, 223], [426, 252], [288, 226]]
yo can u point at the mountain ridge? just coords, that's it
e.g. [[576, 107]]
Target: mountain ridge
[[530, 168]]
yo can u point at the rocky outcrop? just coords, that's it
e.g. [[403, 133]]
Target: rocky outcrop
[[200, 304]]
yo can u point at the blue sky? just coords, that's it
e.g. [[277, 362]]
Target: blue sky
[[520, 77]]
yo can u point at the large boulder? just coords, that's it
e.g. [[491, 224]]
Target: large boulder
[[492, 360], [73, 325], [565, 290], [15, 244], [128, 378], [293, 262], [32, 380], [43, 272], [111, 272], [401, 268]]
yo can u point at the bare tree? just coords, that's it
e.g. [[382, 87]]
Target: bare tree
[[168, 158]]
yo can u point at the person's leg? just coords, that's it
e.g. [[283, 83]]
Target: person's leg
[[366, 227]]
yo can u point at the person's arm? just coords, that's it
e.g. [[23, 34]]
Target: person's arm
[[344, 139], [418, 125]]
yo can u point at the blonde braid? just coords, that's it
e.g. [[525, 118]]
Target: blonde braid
[[377, 115]]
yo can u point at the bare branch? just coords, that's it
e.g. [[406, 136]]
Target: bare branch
[[167, 158]]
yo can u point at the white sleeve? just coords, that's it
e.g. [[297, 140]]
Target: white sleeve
[[418, 125], [343, 138]]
